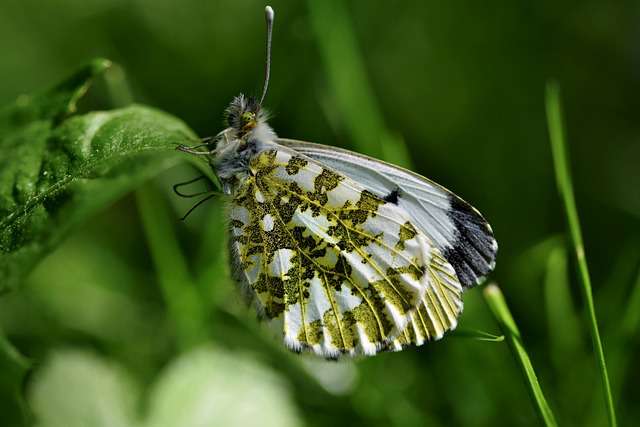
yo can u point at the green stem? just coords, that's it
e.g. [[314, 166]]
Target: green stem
[[8, 351], [498, 306], [14, 369], [179, 291], [565, 188]]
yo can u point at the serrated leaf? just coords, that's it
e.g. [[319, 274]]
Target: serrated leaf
[[57, 169]]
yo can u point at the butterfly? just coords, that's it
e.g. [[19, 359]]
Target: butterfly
[[341, 253]]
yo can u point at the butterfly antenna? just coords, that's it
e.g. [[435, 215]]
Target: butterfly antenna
[[268, 16]]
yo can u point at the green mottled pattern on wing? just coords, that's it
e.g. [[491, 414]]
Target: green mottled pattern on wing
[[340, 270]]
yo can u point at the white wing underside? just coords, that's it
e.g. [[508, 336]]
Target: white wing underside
[[335, 268]]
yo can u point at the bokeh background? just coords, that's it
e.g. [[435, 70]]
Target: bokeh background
[[453, 89]]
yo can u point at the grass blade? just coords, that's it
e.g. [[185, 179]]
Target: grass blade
[[498, 306], [349, 85], [562, 321], [477, 335], [565, 188], [628, 330]]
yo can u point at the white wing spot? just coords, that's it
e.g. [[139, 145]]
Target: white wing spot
[[317, 301], [281, 263], [267, 222]]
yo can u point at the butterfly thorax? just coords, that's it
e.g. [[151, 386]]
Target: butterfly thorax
[[247, 135]]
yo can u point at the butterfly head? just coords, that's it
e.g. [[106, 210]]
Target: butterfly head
[[246, 133], [243, 115]]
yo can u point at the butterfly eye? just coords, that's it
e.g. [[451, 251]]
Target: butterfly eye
[[248, 116]]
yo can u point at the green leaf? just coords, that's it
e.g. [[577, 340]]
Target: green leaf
[[57, 169], [206, 386], [52, 105], [209, 386]]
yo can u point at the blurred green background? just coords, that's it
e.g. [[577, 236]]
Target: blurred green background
[[456, 90]]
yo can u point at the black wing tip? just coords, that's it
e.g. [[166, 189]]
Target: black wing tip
[[473, 254]]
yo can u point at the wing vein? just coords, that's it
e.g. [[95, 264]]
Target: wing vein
[[334, 309]]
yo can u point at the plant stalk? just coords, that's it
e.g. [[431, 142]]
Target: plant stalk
[[498, 306], [180, 293]]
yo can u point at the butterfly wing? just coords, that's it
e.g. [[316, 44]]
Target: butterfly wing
[[459, 231], [336, 267]]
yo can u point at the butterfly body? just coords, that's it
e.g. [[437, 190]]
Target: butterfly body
[[342, 254]]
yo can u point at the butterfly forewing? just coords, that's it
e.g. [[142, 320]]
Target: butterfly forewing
[[460, 232], [337, 267]]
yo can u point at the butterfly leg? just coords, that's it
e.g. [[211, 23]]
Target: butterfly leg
[[185, 183], [210, 196], [193, 150], [206, 142], [209, 193]]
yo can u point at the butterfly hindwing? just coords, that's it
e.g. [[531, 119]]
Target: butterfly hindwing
[[458, 230], [337, 267]]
